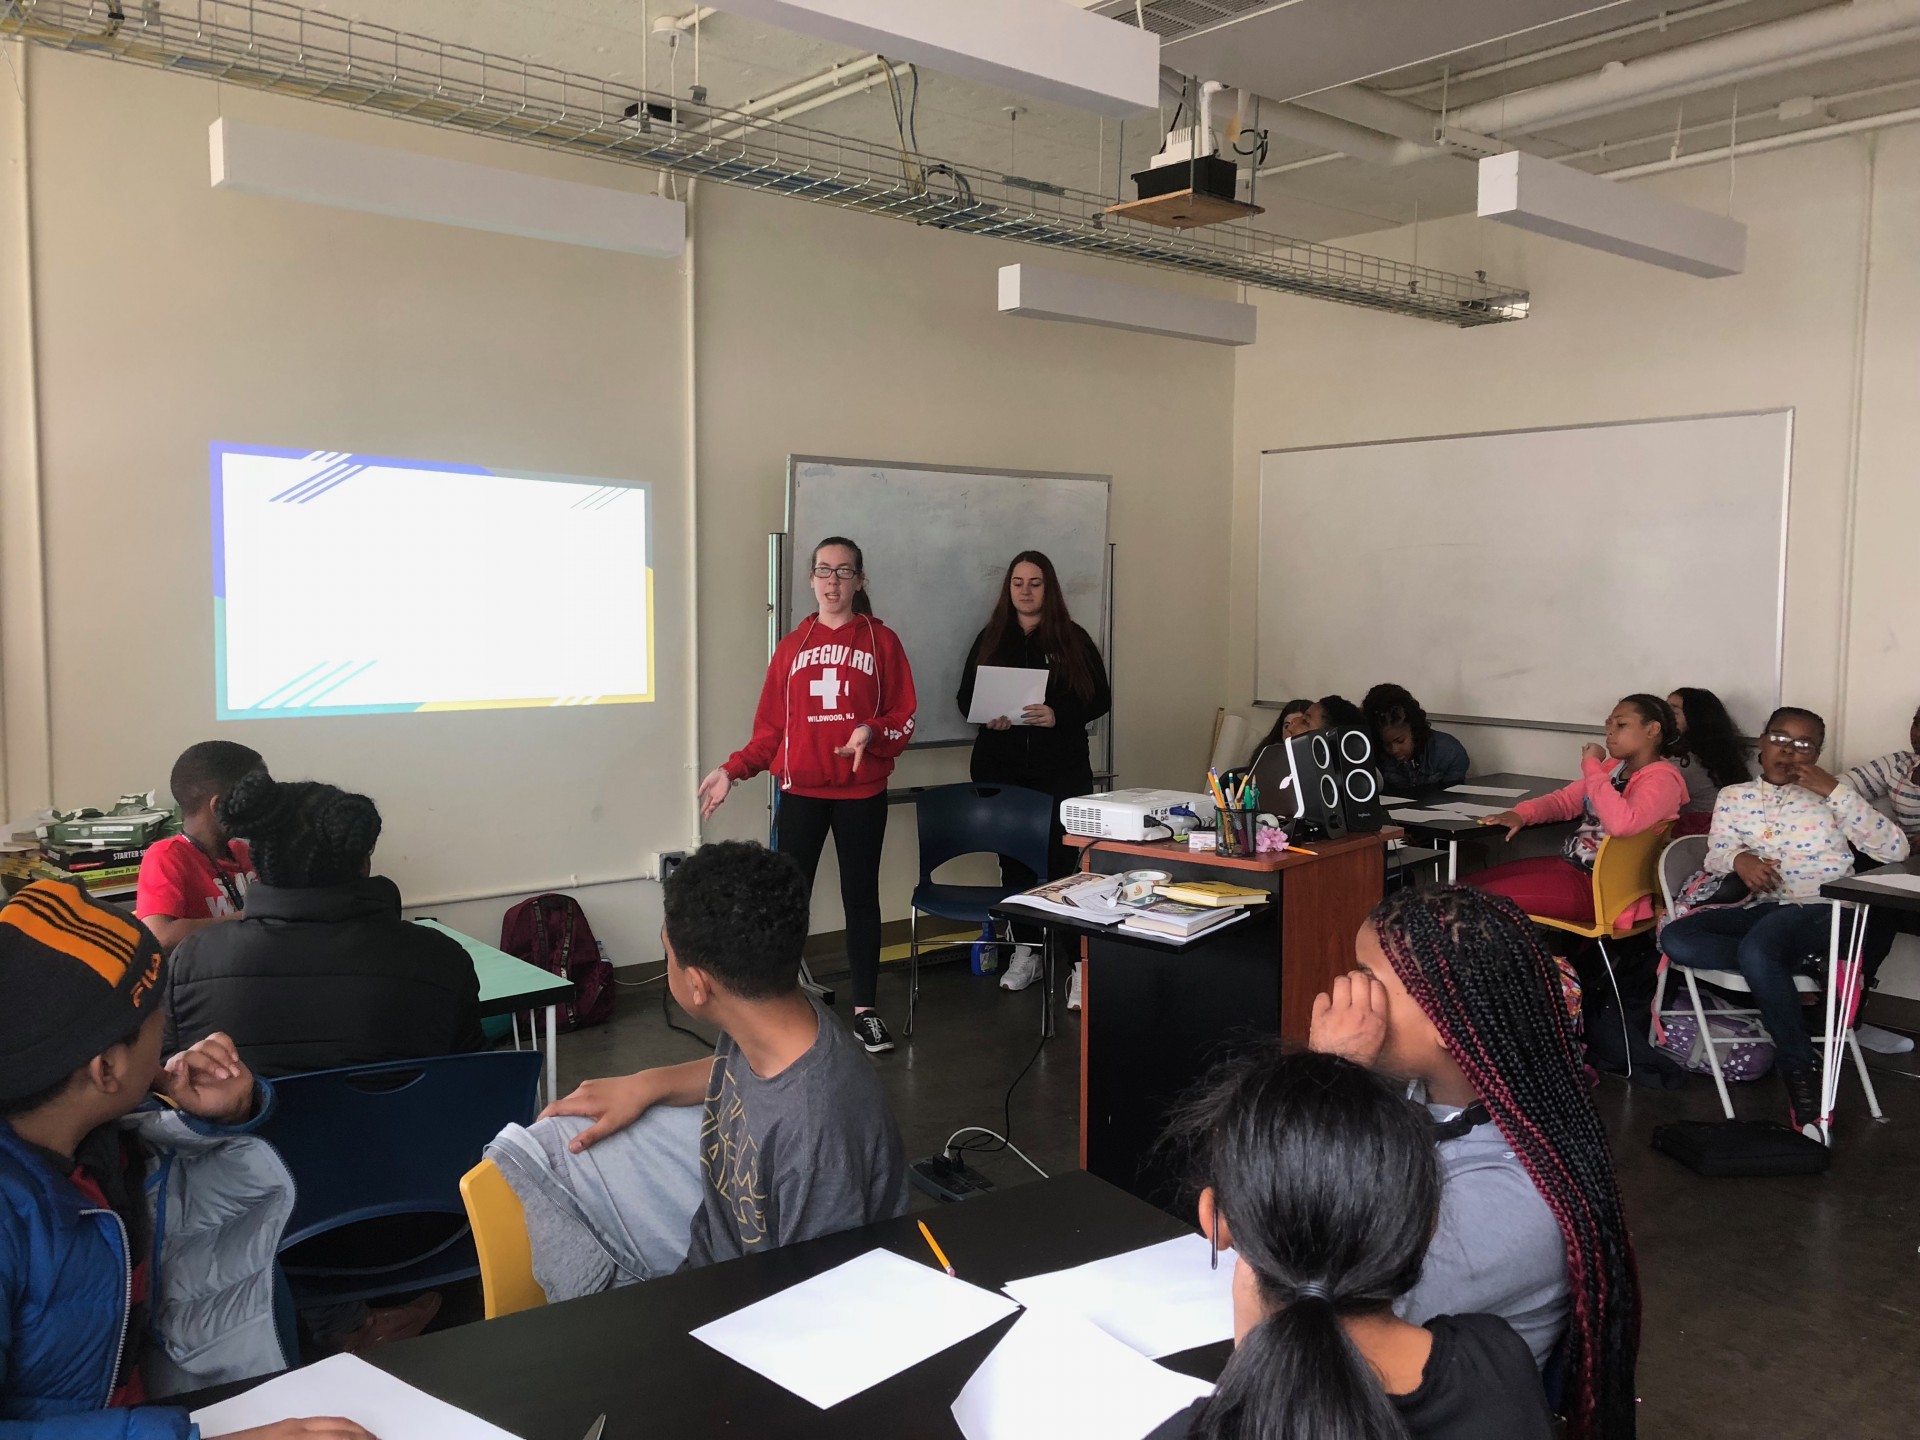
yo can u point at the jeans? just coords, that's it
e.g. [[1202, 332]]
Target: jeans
[[1766, 945], [858, 828]]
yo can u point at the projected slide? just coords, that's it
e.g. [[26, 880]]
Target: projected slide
[[352, 585]]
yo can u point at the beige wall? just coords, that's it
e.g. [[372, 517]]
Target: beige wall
[[169, 315]]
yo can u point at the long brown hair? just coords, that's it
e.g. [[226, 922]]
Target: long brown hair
[[862, 603], [1065, 652]]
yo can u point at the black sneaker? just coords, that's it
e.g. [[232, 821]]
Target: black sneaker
[[871, 1031], [1803, 1101]]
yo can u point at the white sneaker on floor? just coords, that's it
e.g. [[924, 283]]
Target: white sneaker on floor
[[1022, 970], [1073, 987], [1882, 1042]]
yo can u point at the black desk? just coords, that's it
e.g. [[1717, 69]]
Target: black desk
[[1450, 832], [1846, 972], [545, 1374], [1861, 890]]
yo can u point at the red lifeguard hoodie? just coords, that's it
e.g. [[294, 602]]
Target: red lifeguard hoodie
[[823, 684]]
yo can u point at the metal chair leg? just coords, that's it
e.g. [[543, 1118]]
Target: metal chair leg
[[1706, 1038], [913, 964], [1656, 1032], [1626, 1040], [1866, 1081]]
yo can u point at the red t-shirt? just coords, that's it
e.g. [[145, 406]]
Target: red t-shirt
[[133, 1390], [178, 879]]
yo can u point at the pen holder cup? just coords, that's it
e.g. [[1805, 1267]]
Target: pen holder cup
[[1239, 832]]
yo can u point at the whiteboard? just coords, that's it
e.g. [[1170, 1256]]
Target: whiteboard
[[1530, 575], [937, 542]]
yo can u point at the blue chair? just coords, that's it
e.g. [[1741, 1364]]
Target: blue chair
[[373, 1142], [956, 820]]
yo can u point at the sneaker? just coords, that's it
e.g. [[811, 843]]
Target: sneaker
[[871, 1031], [1022, 970], [1882, 1042], [1073, 987], [1803, 1101]]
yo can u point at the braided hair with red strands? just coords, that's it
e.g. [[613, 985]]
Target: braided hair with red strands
[[1474, 966]]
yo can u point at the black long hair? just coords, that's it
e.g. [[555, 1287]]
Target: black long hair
[[1279, 730], [301, 834], [1326, 1177], [1712, 738], [1341, 713], [1059, 637], [1476, 967], [1388, 705], [862, 602]]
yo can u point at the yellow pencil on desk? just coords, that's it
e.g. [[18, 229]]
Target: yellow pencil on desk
[[1304, 851], [934, 1245]]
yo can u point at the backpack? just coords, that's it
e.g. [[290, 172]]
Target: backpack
[[551, 931], [1749, 1058]]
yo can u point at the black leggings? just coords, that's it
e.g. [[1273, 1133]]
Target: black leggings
[[858, 827]]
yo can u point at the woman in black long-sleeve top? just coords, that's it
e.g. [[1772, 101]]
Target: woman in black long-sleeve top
[[1045, 748]]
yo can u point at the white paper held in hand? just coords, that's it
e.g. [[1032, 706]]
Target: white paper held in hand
[[347, 1386], [1005, 690], [848, 1328], [1158, 1300], [1055, 1374]]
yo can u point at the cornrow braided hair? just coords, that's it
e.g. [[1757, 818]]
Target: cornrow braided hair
[[1473, 964], [301, 834]]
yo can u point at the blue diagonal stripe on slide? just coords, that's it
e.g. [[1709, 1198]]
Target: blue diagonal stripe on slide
[[297, 697], [586, 501], [262, 703], [332, 475], [328, 690], [342, 478], [303, 482], [613, 494]]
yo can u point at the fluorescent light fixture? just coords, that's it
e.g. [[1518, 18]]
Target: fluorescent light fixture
[[1043, 294], [320, 170], [1047, 49], [1550, 199]]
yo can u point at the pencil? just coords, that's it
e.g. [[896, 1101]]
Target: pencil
[[1304, 851], [938, 1253]]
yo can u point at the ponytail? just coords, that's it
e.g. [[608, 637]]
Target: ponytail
[[1297, 1374], [1656, 711]]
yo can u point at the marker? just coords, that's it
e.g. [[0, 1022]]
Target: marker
[[938, 1253]]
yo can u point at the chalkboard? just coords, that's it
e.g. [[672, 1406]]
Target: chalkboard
[[937, 541]]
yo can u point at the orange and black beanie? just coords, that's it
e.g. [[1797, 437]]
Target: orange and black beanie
[[75, 978]]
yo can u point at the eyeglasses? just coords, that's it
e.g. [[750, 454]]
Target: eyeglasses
[[835, 572], [1792, 742]]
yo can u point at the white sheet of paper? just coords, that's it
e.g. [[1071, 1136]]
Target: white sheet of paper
[[1418, 815], [1005, 690], [1893, 882], [1396, 800], [851, 1327], [1471, 810], [1159, 1300], [1483, 790], [347, 1386], [1055, 1374]]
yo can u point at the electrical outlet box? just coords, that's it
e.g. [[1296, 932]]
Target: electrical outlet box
[[666, 862]]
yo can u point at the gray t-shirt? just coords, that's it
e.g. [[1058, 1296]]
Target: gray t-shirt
[[812, 1151], [1497, 1250]]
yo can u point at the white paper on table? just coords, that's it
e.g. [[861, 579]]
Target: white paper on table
[[1417, 816], [848, 1328], [1472, 811], [1055, 1374], [1396, 800], [1005, 690], [1895, 882], [1159, 1300], [347, 1386], [1483, 790]]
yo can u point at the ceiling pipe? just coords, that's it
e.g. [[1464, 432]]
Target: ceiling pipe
[[1310, 128], [1861, 126], [841, 78], [780, 113]]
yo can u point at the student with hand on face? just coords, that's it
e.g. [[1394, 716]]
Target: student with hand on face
[[1319, 1185], [198, 877], [1625, 788], [1784, 835], [1455, 995], [1411, 754]]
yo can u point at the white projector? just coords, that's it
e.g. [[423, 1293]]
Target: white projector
[[1127, 814]]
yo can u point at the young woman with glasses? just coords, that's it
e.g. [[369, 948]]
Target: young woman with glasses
[[836, 709]]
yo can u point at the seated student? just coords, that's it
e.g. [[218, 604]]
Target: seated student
[[108, 1294], [783, 1135], [1710, 753], [1293, 721], [322, 971], [1892, 783], [1784, 835], [1321, 1181], [198, 877], [1456, 994], [1335, 712], [1624, 789], [1411, 754]]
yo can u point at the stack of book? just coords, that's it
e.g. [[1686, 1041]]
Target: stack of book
[[1213, 894], [97, 867], [1172, 920]]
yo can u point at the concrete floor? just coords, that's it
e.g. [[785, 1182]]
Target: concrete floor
[[1781, 1308]]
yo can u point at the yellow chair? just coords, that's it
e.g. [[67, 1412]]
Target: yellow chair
[[1626, 870], [500, 1238]]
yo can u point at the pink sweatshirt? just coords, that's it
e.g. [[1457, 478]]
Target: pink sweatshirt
[[1654, 794]]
